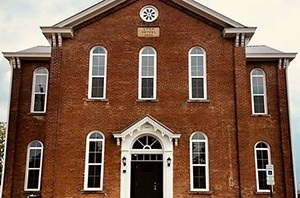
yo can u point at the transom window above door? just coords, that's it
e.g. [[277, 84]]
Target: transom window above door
[[147, 142]]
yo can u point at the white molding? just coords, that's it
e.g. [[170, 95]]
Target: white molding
[[146, 126], [255, 160], [87, 164], [27, 166], [154, 77], [33, 90], [89, 13], [91, 70], [204, 77], [206, 164], [264, 95], [208, 13]]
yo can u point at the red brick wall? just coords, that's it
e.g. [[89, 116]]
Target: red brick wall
[[71, 116]]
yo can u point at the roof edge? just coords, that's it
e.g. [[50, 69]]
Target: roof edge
[[88, 13], [270, 56], [209, 13]]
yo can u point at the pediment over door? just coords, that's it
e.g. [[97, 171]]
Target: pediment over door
[[147, 124]]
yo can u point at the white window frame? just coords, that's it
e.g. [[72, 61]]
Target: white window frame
[[28, 168], [154, 73], [264, 94], [91, 76], [206, 165], [87, 164], [34, 93], [198, 77], [261, 169]]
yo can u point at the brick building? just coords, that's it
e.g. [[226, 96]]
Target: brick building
[[143, 99]]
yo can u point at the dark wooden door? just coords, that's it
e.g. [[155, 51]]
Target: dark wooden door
[[146, 180]]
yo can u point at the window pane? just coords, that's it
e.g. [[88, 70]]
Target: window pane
[[94, 176], [35, 158], [41, 71], [262, 180], [199, 177], [259, 105], [147, 66], [97, 87], [197, 88], [198, 152], [258, 85], [148, 51], [96, 136], [197, 51], [40, 84], [197, 65], [262, 159], [95, 152], [147, 88], [198, 136], [39, 102], [99, 50], [261, 145], [257, 72], [98, 65], [33, 179]]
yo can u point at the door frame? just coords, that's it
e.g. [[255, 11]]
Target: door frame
[[146, 126]]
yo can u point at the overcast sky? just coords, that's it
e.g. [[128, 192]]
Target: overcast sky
[[277, 22]]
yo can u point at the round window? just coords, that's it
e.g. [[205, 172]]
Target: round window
[[149, 13]]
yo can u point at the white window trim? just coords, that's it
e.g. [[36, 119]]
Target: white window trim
[[264, 95], [206, 165], [27, 166], [154, 74], [256, 169], [33, 90], [102, 76], [86, 174], [204, 74]]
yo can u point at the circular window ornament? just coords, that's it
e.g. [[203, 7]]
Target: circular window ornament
[[149, 13]]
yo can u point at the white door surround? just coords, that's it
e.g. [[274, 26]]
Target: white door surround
[[147, 126]]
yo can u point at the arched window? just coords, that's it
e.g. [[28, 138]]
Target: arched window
[[150, 144], [97, 73], [197, 74], [94, 162], [39, 90], [262, 158], [34, 166], [258, 91], [199, 162], [147, 74]]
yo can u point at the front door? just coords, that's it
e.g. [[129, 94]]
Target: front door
[[146, 180]]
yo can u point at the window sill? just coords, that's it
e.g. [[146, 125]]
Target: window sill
[[263, 193], [198, 101], [93, 192], [37, 114], [200, 192], [30, 193], [261, 115], [95, 100], [147, 100]]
